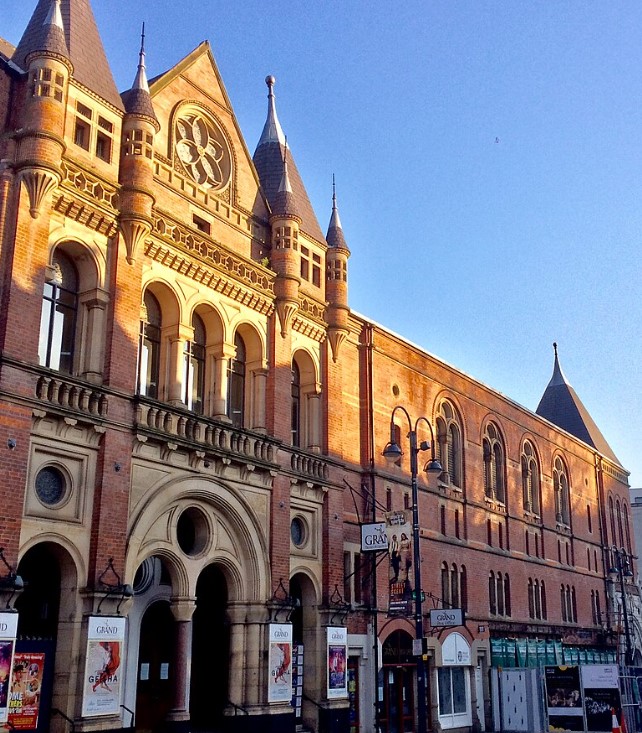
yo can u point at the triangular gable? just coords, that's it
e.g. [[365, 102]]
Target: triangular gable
[[196, 80]]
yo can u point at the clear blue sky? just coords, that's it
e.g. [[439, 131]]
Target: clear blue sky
[[488, 158]]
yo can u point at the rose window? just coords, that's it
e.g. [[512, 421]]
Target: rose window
[[202, 150]]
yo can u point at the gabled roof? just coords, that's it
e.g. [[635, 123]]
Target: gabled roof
[[268, 160], [86, 51], [561, 406]]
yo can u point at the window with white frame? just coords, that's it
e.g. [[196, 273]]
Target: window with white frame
[[57, 342], [149, 347]]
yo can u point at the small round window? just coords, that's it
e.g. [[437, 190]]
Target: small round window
[[51, 486], [298, 532], [192, 531]]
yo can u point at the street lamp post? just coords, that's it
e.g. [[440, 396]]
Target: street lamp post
[[392, 452], [623, 569]]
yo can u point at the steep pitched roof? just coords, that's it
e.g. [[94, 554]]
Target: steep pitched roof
[[268, 161], [561, 406], [86, 51]]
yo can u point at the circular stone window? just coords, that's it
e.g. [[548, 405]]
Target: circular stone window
[[192, 531], [298, 532], [202, 150], [51, 486]]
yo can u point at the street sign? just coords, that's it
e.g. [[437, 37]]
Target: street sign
[[374, 537], [447, 617]]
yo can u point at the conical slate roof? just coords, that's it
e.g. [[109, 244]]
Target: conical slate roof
[[83, 42], [561, 406], [51, 36], [285, 203], [268, 161], [335, 237]]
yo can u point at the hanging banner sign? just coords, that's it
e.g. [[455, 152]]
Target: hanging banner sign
[[103, 669], [8, 633], [399, 532], [337, 637], [280, 660]]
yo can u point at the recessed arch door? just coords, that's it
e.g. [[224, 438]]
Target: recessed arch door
[[155, 687]]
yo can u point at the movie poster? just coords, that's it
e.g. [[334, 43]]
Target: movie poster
[[26, 685], [564, 699], [8, 632], [104, 665], [601, 687], [337, 662], [280, 678], [399, 532]]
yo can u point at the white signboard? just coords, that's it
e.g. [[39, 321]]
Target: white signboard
[[374, 537], [280, 661], [102, 685], [446, 617]]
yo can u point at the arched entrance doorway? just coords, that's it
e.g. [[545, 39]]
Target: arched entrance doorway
[[304, 620], [397, 680], [209, 690], [155, 690], [50, 581]]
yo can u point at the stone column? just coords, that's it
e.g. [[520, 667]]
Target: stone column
[[222, 355], [183, 610], [177, 337], [314, 421], [258, 399], [95, 304]]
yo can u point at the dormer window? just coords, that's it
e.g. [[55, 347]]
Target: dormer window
[[93, 132]]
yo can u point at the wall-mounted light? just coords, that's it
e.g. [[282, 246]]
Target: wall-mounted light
[[12, 443], [110, 584]]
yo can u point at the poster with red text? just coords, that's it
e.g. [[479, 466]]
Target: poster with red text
[[26, 684], [104, 665], [8, 631]]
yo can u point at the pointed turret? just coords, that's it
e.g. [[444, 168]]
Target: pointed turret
[[82, 41], [561, 406], [269, 159], [285, 223], [136, 174], [337, 280], [41, 146]]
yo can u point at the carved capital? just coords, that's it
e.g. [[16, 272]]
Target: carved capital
[[39, 182]]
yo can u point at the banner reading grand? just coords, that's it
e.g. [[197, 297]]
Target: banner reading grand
[[103, 669], [337, 639], [280, 678]]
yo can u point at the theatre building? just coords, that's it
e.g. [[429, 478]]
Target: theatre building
[[192, 423]]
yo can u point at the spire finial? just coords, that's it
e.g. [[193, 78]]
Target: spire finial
[[54, 16], [285, 178], [555, 348], [335, 221], [140, 81], [272, 132]]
